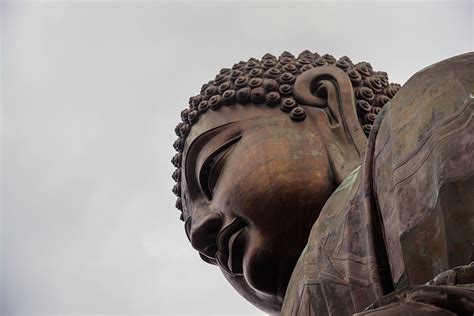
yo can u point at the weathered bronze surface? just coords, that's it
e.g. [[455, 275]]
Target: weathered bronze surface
[[280, 187]]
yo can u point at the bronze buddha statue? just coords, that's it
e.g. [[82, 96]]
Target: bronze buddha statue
[[318, 187]]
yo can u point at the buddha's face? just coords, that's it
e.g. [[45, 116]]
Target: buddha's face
[[254, 184]]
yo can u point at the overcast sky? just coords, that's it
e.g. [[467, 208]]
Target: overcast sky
[[91, 93]]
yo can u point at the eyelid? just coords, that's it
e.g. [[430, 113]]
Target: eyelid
[[206, 170]]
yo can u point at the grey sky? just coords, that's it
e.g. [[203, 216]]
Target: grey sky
[[91, 93]]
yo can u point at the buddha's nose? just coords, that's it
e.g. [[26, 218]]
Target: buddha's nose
[[203, 233]]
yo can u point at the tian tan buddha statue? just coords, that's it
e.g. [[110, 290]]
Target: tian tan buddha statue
[[319, 188]]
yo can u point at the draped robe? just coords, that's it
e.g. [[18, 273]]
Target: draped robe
[[405, 215]]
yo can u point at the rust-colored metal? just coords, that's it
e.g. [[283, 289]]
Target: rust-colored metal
[[305, 215]]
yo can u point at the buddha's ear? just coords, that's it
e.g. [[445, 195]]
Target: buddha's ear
[[329, 88]]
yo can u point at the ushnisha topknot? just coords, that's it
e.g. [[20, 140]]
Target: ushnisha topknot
[[270, 81]]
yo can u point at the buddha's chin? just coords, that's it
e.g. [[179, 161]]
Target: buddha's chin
[[265, 277], [268, 274], [263, 282]]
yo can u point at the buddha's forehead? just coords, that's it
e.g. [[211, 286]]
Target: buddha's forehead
[[235, 113]]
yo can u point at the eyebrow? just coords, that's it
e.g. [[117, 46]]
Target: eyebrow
[[199, 142]]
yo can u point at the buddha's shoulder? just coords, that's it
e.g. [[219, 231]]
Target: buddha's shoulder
[[423, 172], [425, 141], [433, 99]]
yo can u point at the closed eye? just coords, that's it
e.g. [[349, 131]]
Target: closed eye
[[212, 167]]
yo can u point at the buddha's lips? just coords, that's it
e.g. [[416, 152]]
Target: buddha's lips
[[227, 244], [236, 252]]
